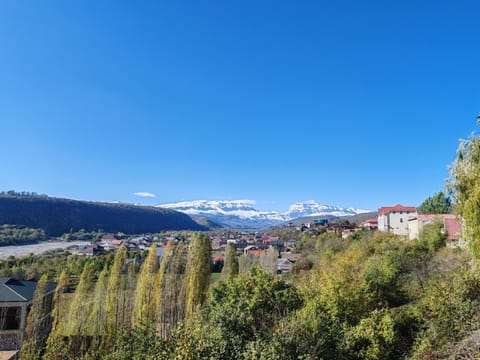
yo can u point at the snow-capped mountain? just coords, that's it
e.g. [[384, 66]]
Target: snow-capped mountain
[[312, 208], [242, 214]]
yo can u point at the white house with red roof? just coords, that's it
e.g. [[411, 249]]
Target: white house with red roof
[[394, 219]]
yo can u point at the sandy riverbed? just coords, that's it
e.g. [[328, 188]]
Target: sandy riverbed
[[22, 250]]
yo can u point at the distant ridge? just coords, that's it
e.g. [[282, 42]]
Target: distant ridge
[[58, 216]]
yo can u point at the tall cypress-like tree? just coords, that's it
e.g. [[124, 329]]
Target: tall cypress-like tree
[[230, 262], [57, 348], [146, 294], [97, 318], [37, 327], [198, 272], [82, 302], [129, 293], [172, 300], [114, 293]]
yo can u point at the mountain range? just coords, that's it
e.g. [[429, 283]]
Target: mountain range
[[242, 213]]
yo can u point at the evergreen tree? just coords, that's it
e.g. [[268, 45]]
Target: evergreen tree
[[436, 204], [230, 262], [198, 272]]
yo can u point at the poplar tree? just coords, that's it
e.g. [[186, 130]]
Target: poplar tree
[[269, 260], [145, 301], [82, 302], [114, 289], [197, 272], [57, 348], [37, 327], [97, 321], [129, 293], [464, 185], [230, 262], [172, 301]]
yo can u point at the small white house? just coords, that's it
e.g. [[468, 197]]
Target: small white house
[[394, 219]]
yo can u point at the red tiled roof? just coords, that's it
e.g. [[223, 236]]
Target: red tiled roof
[[257, 253], [387, 209], [452, 224]]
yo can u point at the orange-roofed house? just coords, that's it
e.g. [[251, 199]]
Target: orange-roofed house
[[394, 219]]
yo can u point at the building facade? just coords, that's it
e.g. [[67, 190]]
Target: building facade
[[15, 301], [394, 219]]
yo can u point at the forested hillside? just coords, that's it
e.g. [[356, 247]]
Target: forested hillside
[[58, 216]]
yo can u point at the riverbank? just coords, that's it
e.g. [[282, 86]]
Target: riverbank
[[22, 250]]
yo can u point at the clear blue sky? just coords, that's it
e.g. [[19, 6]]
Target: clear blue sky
[[350, 103]]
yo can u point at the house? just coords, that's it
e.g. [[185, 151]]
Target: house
[[371, 224], [15, 301], [451, 225], [394, 219], [284, 265]]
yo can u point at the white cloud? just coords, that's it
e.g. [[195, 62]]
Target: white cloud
[[144, 194]]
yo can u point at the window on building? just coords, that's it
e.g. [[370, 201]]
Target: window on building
[[401, 219], [10, 318]]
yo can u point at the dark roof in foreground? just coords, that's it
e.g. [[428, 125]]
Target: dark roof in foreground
[[19, 290]]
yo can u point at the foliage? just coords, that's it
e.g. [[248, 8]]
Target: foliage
[[433, 236], [230, 264], [369, 296], [436, 204], [249, 305], [197, 272], [464, 185], [16, 235], [146, 294], [38, 324]]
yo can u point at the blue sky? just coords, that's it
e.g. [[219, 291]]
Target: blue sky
[[349, 103]]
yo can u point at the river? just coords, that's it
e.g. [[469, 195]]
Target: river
[[22, 250]]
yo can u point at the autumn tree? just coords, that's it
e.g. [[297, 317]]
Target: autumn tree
[[464, 185], [114, 292], [97, 319], [198, 272], [38, 325], [146, 294], [230, 263], [57, 348], [81, 302], [173, 288]]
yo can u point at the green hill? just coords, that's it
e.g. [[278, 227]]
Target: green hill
[[57, 216]]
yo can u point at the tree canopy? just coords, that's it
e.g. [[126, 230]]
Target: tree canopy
[[464, 185], [436, 204]]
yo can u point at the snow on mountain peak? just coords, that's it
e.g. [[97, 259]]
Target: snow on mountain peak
[[241, 213]]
